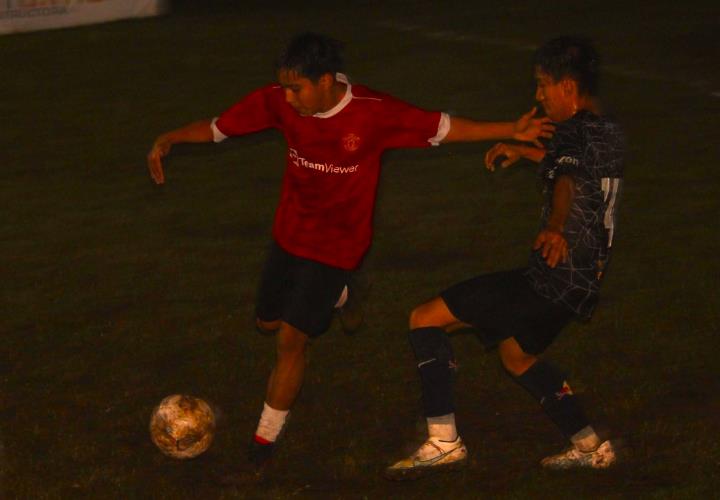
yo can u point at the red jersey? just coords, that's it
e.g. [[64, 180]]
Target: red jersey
[[333, 164]]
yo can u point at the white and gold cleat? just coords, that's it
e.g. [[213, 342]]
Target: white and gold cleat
[[433, 456], [601, 458]]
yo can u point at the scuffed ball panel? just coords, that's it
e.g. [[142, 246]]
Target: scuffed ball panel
[[182, 426]]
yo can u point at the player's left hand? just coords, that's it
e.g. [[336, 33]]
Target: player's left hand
[[529, 129], [552, 245], [160, 149], [502, 154]]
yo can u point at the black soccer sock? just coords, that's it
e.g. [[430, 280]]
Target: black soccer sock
[[549, 387], [436, 365]]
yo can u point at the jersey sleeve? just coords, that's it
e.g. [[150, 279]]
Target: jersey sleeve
[[566, 152], [256, 111], [405, 126]]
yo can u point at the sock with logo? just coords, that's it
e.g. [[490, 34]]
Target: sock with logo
[[549, 387], [586, 439], [270, 424]]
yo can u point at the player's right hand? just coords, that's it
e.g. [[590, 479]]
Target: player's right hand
[[530, 129], [160, 148], [552, 245]]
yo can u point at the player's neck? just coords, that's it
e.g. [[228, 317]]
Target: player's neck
[[587, 103], [336, 94]]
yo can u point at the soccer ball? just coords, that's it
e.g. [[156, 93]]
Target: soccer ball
[[182, 426]]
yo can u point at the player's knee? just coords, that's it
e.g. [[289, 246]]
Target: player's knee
[[515, 360], [290, 342], [267, 327], [422, 316]]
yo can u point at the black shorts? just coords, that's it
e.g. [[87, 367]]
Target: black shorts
[[503, 305], [298, 291]]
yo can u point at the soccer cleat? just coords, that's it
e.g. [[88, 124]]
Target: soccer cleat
[[601, 458], [260, 454], [433, 456]]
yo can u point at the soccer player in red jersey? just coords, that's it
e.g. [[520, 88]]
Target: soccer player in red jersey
[[336, 133]]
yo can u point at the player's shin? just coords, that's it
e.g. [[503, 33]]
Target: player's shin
[[436, 366], [549, 387]]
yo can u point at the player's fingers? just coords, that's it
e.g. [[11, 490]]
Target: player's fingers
[[509, 161], [491, 155], [538, 241], [488, 161], [156, 170], [551, 256], [546, 249], [561, 253]]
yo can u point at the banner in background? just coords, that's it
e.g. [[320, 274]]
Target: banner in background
[[31, 15]]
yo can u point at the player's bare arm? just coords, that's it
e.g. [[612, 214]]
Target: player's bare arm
[[526, 128], [511, 153], [199, 131], [550, 240]]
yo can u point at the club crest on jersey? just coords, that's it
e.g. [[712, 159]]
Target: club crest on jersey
[[351, 142]]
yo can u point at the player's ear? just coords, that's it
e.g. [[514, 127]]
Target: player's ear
[[326, 81], [569, 87]]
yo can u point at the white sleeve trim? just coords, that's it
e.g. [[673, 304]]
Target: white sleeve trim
[[217, 135], [442, 131]]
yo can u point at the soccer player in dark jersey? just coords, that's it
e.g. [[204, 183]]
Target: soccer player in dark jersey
[[523, 310], [336, 133]]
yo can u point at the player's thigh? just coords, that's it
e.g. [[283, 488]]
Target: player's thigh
[[538, 322], [434, 313], [274, 287], [490, 303], [316, 288], [478, 300]]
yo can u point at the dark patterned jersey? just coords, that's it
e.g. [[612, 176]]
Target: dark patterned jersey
[[589, 148]]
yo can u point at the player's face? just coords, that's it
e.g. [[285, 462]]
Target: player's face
[[304, 95], [556, 97]]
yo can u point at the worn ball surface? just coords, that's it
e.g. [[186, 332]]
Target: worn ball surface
[[182, 426]]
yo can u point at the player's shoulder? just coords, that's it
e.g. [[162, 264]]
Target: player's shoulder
[[367, 96], [267, 92], [587, 126], [589, 123]]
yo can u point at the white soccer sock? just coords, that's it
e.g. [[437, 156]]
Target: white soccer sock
[[271, 423], [586, 439], [442, 427]]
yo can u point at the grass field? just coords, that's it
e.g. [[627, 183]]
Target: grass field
[[116, 293]]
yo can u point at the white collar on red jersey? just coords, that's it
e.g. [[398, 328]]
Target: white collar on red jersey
[[342, 78]]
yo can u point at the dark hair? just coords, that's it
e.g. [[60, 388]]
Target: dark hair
[[571, 57], [312, 55]]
